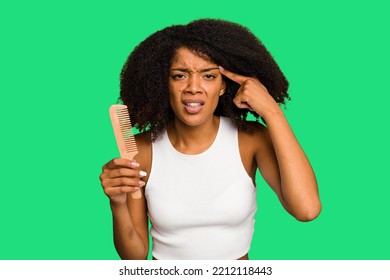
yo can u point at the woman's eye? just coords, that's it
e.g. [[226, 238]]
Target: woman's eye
[[178, 77], [209, 76]]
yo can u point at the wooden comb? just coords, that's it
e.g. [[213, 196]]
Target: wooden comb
[[124, 136]]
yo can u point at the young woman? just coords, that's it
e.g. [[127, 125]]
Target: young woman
[[189, 89]]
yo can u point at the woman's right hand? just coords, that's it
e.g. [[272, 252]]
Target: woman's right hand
[[121, 176]]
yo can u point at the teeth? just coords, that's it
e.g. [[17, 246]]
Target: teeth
[[193, 104]]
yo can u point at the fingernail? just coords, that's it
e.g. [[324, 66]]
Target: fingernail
[[141, 183], [134, 164], [136, 189], [221, 68], [142, 173]]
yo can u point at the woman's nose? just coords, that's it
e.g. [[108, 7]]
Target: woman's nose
[[194, 85]]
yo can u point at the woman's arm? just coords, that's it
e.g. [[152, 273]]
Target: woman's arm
[[121, 177], [279, 156], [286, 168], [130, 226]]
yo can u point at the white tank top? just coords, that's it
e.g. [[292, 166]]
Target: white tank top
[[201, 206]]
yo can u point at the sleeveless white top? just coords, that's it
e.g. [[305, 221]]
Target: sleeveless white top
[[201, 206]]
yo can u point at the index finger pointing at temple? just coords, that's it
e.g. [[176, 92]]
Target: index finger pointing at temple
[[232, 76]]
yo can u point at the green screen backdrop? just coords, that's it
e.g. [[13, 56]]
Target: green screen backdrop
[[60, 63]]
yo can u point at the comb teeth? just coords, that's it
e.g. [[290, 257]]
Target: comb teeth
[[123, 131], [124, 136], [126, 129]]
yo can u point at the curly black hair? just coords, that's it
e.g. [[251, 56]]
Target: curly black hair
[[144, 77]]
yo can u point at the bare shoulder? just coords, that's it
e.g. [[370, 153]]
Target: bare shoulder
[[144, 145], [256, 141], [255, 136], [252, 142], [143, 140]]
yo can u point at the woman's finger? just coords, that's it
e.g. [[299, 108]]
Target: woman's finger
[[125, 172], [120, 162], [233, 76]]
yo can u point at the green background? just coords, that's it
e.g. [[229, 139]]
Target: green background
[[60, 63]]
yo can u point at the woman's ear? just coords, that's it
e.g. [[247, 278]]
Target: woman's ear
[[223, 88]]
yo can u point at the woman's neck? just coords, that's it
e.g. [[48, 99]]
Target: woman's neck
[[193, 139]]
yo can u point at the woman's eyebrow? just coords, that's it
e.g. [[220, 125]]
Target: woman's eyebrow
[[198, 71]]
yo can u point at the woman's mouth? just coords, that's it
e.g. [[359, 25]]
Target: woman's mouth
[[193, 107]]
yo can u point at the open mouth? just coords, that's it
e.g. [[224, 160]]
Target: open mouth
[[193, 107], [193, 104]]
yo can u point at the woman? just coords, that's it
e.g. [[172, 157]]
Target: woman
[[189, 90]]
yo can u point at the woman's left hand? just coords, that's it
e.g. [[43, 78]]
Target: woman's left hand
[[252, 94]]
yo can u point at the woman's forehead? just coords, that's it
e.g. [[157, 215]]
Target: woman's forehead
[[186, 58]]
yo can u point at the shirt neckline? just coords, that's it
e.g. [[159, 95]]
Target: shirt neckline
[[205, 152]]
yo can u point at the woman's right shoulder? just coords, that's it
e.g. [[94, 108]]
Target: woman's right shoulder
[[143, 138], [144, 146]]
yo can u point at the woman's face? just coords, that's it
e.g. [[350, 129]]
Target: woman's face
[[195, 85]]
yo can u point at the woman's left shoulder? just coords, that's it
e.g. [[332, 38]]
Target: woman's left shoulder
[[253, 129], [254, 135]]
